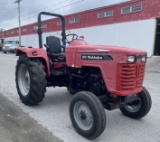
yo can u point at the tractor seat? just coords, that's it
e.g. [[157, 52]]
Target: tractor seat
[[54, 48]]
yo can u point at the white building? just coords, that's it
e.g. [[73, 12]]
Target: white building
[[133, 23]]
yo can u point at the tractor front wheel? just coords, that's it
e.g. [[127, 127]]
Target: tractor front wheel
[[87, 114], [30, 80], [139, 108]]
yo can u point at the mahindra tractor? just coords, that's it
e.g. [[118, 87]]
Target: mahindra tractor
[[99, 77]]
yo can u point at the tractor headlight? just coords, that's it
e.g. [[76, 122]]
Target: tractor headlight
[[131, 59], [144, 59]]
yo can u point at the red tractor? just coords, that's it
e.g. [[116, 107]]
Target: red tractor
[[100, 77]]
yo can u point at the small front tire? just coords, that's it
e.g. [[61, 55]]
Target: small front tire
[[87, 115], [139, 108]]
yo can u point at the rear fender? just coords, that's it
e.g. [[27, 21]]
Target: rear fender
[[35, 53]]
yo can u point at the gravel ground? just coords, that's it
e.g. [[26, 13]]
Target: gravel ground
[[53, 113], [17, 126]]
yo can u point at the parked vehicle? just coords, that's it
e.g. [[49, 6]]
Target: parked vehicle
[[99, 77], [1, 43], [10, 46]]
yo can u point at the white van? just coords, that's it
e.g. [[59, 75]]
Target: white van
[[10, 46]]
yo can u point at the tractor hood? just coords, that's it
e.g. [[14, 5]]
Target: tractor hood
[[84, 47]]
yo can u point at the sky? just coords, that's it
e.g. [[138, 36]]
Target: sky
[[31, 8]]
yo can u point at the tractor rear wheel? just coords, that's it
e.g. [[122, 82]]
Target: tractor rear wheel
[[30, 80], [87, 114], [138, 109]]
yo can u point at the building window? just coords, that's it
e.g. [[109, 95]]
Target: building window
[[35, 27], [74, 20], [105, 14], [42, 27], [137, 7], [17, 31], [101, 15], [59, 23], [12, 32], [130, 9], [24, 30], [125, 10]]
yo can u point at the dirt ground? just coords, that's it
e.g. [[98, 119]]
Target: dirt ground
[[50, 121], [17, 126]]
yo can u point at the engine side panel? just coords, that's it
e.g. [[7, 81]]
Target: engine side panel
[[76, 59], [109, 60], [107, 67]]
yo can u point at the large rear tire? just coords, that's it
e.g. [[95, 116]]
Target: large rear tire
[[140, 108], [30, 80], [87, 115]]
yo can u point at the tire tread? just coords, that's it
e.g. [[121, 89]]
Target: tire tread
[[38, 80]]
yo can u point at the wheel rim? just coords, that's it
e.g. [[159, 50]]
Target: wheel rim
[[134, 106], [83, 115], [23, 80]]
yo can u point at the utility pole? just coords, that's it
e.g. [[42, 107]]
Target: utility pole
[[19, 13]]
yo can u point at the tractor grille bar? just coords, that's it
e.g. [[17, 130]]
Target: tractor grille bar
[[130, 76]]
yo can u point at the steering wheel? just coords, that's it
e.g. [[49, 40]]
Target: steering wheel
[[74, 37]]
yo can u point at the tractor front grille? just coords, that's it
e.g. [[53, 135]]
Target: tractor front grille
[[130, 76]]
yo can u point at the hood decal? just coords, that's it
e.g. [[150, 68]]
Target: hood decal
[[96, 57]]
